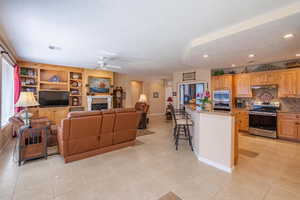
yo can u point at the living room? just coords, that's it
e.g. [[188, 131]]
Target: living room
[[150, 100]]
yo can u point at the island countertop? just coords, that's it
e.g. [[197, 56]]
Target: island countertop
[[213, 112], [213, 137]]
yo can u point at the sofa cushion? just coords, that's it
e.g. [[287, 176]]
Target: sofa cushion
[[84, 134], [126, 126]]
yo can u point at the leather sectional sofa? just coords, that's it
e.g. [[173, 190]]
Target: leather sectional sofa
[[84, 134]]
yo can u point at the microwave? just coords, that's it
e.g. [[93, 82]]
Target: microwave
[[222, 100]]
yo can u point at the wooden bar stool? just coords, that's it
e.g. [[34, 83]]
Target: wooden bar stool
[[181, 128]]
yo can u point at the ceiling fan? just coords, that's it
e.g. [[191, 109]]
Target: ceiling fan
[[103, 63]]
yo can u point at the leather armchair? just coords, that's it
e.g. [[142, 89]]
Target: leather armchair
[[143, 108], [17, 123]]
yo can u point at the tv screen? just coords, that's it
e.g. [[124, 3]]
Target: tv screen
[[53, 98]]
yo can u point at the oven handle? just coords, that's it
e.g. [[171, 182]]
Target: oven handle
[[262, 113]]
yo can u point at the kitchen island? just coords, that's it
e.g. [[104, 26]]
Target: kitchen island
[[214, 137]]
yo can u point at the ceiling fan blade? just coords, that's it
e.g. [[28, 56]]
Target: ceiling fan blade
[[113, 66]]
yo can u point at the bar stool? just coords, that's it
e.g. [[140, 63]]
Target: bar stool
[[181, 128]]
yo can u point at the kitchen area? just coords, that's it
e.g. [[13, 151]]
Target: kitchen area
[[261, 101], [264, 99]]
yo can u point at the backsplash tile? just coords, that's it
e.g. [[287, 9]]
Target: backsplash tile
[[286, 104]]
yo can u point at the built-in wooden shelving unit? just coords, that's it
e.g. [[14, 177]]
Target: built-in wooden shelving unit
[[29, 80], [76, 89]]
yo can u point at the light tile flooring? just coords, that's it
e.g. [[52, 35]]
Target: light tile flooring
[[153, 168]]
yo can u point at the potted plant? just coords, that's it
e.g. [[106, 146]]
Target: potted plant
[[205, 101]]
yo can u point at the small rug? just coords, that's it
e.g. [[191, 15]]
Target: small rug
[[144, 132], [52, 150], [170, 196], [248, 153]]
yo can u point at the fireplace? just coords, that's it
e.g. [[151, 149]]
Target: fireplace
[[99, 106], [102, 102]]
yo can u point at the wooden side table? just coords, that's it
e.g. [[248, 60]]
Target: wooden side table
[[32, 143]]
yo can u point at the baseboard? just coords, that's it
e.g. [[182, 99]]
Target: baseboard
[[214, 164], [157, 114]]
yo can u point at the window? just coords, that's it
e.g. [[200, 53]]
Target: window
[[191, 91], [7, 91]]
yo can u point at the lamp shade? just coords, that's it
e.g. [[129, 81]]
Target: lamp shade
[[143, 98], [26, 99], [169, 99]]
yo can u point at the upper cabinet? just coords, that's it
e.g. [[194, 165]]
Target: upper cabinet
[[264, 78], [242, 85], [287, 86], [288, 82], [298, 83], [223, 82]]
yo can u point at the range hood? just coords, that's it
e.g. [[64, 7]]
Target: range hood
[[264, 87]]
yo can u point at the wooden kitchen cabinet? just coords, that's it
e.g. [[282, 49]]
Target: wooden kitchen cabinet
[[223, 82], [298, 82], [264, 78], [54, 114], [287, 86], [242, 118], [242, 87], [288, 126]]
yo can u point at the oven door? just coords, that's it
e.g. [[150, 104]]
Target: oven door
[[263, 124]]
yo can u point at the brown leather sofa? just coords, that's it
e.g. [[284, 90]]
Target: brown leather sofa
[[84, 134]]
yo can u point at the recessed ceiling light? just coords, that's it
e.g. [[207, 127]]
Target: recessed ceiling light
[[53, 47], [251, 55], [298, 54], [205, 56], [233, 65], [288, 36]]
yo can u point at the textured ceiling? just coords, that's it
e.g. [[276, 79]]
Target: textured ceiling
[[152, 37]]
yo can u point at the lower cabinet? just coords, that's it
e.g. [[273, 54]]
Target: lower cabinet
[[54, 114], [242, 118], [288, 126]]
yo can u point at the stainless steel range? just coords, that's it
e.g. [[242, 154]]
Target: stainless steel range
[[263, 119]]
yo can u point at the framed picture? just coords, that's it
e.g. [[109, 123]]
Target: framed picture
[[190, 76], [98, 84], [155, 95]]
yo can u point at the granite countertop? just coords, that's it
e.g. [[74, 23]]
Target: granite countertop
[[213, 112], [289, 112]]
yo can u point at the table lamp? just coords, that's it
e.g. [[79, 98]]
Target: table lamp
[[143, 98], [26, 100]]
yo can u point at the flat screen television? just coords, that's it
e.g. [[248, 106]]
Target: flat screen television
[[53, 98]]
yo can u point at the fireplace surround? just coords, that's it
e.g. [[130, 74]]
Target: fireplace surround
[[99, 102]]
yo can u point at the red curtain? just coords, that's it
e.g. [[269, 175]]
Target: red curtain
[[17, 85]]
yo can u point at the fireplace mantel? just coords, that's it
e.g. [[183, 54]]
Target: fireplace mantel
[[90, 100]]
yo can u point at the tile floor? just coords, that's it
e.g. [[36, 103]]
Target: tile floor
[[153, 168]]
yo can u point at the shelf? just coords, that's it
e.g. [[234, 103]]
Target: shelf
[[75, 79], [78, 88], [49, 90], [53, 83], [77, 106], [28, 85], [75, 95], [27, 76]]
